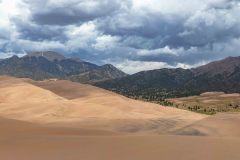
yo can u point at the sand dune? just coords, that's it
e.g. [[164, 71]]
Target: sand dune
[[65, 103], [59, 120]]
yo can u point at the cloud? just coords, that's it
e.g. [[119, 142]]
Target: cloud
[[31, 31], [4, 55], [156, 52], [59, 12], [178, 29], [131, 67], [81, 38], [128, 33], [105, 42]]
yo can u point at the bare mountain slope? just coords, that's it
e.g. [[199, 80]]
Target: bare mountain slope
[[102, 73], [226, 66], [46, 65]]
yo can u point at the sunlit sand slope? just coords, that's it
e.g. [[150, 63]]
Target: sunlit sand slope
[[64, 103]]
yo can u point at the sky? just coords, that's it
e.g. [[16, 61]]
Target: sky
[[133, 35]]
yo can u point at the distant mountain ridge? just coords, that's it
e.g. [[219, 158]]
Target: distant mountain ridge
[[225, 66], [45, 65], [102, 73], [223, 75]]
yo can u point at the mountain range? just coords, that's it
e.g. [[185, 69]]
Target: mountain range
[[156, 85], [46, 65], [153, 85]]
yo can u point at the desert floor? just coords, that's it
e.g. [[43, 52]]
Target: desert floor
[[61, 120]]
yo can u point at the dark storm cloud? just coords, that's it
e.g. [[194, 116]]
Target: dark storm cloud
[[225, 4], [35, 32], [186, 58], [149, 25], [210, 25], [3, 35], [71, 11]]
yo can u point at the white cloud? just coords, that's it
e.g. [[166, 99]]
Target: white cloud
[[81, 36], [4, 55], [131, 67], [105, 42], [84, 30], [8, 11], [165, 50], [36, 45]]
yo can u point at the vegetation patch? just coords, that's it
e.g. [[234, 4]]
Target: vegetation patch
[[208, 103]]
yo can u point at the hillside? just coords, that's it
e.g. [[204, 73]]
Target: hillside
[[46, 65], [102, 73], [226, 66], [156, 85], [40, 68], [223, 75]]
